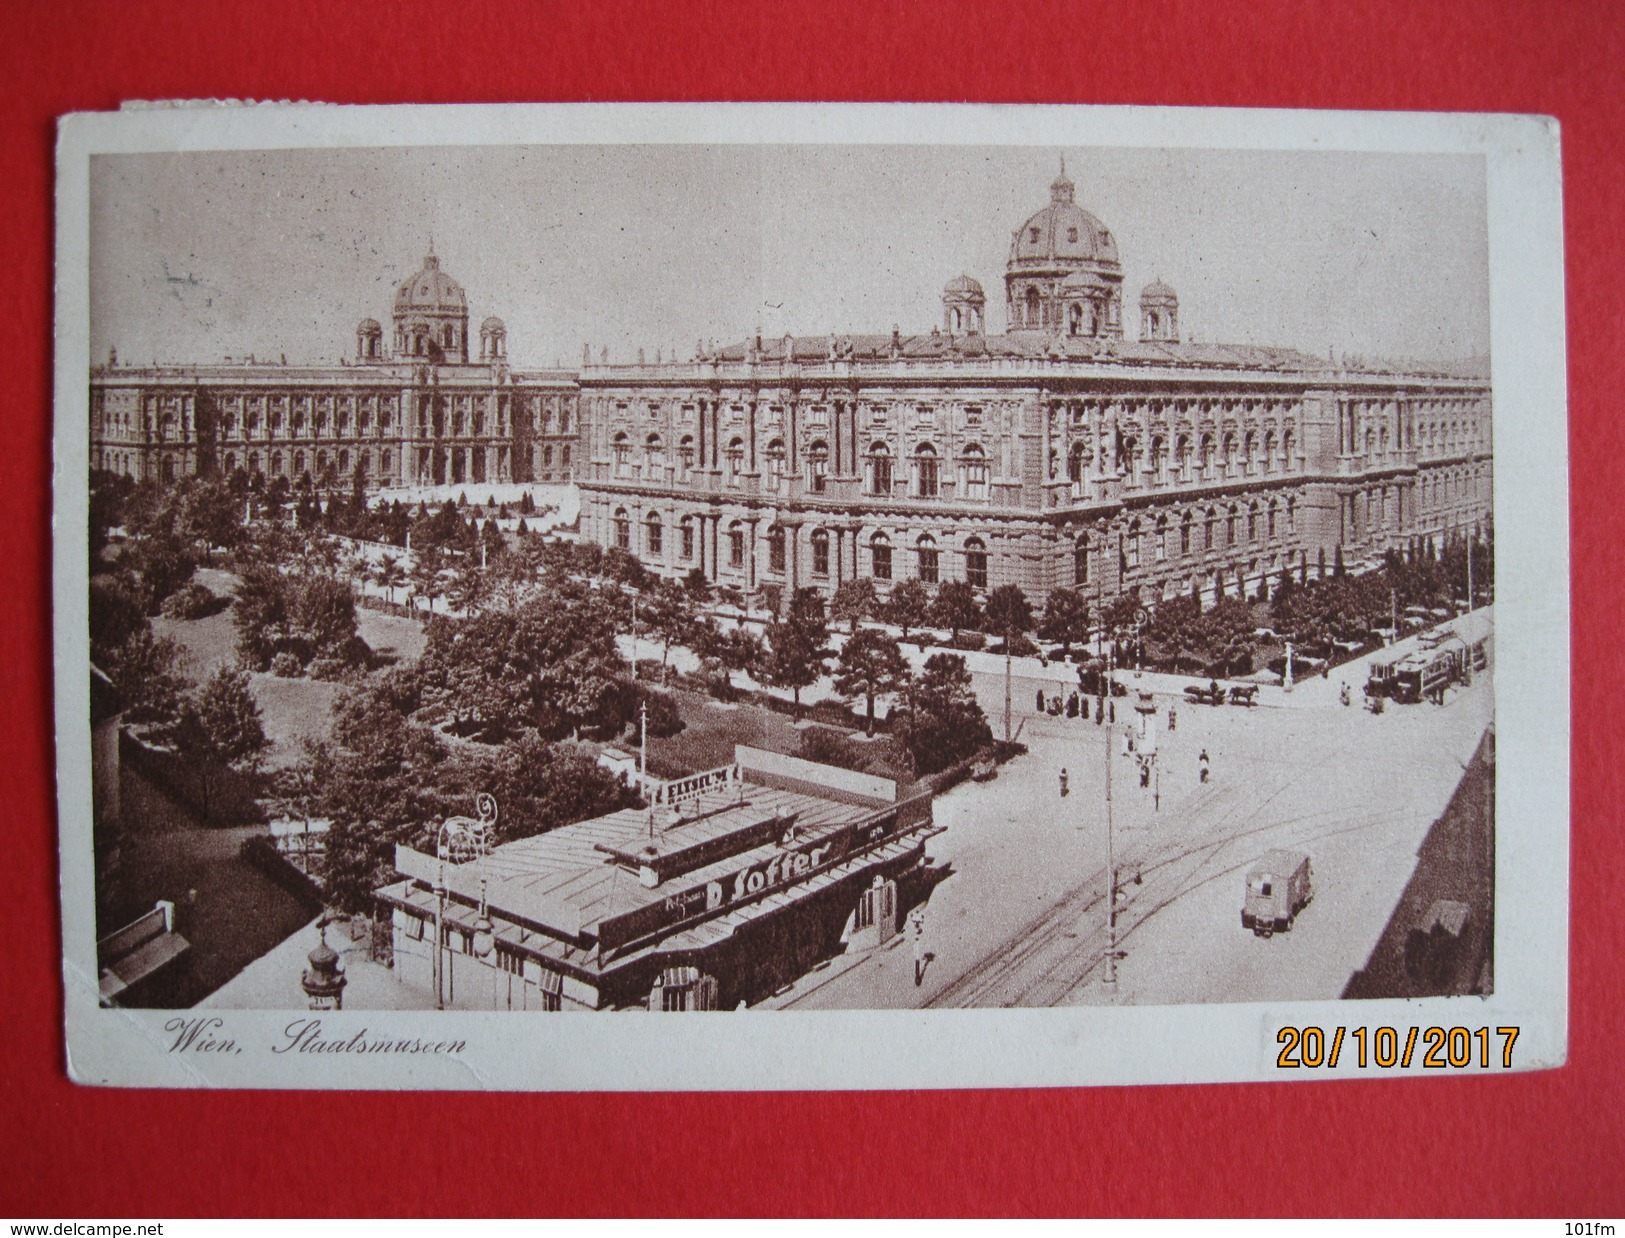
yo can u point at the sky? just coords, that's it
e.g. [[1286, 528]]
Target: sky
[[199, 256]]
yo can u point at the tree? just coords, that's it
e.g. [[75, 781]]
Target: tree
[[796, 643], [164, 559], [1066, 618], [955, 607], [942, 722], [697, 586], [871, 663], [1009, 613], [670, 614], [143, 669], [909, 606], [854, 601], [221, 726], [389, 575]]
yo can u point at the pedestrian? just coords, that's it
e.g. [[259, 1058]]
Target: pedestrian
[[916, 932], [1040, 706], [1343, 693], [1100, 710], [1202, 764], [1128, 741], [1173, 718], [1064, 782], [1145, 772]]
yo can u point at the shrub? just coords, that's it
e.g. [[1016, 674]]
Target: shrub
[[286, 666], [664, 718], [192, 601], [1020, 647], [970, 641]]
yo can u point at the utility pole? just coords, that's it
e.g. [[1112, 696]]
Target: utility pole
[[1111, 842], [643, 761], [1007, 684]]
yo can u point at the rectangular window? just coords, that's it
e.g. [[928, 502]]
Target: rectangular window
[[775, 552], [882, 475], [657, 537], [686, 539], [928, 564], [1132, 550], [820, 556], [1185, 538], [736, 548], [928, 477]]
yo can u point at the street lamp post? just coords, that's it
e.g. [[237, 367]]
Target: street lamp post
[[462, 839]]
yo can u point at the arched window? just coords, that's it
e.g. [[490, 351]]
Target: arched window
[[654, 453], [1154, 460], [1249, 445], [383, 462], [1227, 452], [1074, 319], [820, 552], [1252, 522], [685, 455], [1162, 539], [1292, 515], [927, 477], [1080, 560], [1204, 459], [253, 464], [775, 549], [547, 456], [623, 529], [1185, 526], [975, 472], [736, 459], [1032, 303], [654, 534], [276, 464], [622, 447], [1270, 520], [879, 469], [685, 538], [775, 461], [1286, 448], [1131, 547], [880, 556], [344, 461], [1230, 526], [976, 563], [298, 464], [1269, 451], [817, 465], [448, 337], [736, 545], [929, 567], [230, 465], [1182, 454]]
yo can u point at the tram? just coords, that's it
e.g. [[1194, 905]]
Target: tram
[[1441, 658]]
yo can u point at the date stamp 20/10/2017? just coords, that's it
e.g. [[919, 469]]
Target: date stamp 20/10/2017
[[1441, 1048]]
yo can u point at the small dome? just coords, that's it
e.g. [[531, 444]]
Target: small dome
[[493, 326], [964, 286], [369, 326], [432, 290], [1158, 293], [1062, 233]]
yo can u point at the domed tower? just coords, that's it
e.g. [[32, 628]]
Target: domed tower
[[493, 340], [1063, 276], [963, 303], [431, 316], [369, 341], [1159, 313]]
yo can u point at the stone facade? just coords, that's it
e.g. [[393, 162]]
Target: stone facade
[[422, 414], [1058, 454]]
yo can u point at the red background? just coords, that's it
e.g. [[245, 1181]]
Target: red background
[[1547, 1143]]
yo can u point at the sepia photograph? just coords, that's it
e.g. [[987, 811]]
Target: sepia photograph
[[727, 574]]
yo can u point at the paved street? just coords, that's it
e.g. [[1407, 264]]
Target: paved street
[[1021, 920]]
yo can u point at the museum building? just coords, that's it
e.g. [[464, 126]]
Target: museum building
[[1062, 452], [730, 884], [437, 404]]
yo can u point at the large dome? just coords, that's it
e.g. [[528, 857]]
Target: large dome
[[431, 289], [1062, 233]]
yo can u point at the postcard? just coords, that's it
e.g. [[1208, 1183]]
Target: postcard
[[932, 596]]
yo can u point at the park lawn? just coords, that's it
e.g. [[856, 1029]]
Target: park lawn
[[392, 637], [292, 710], [712, 729]]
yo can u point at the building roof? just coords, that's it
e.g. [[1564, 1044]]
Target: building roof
[[1062, 232], [430, 290], [1157, 292]]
